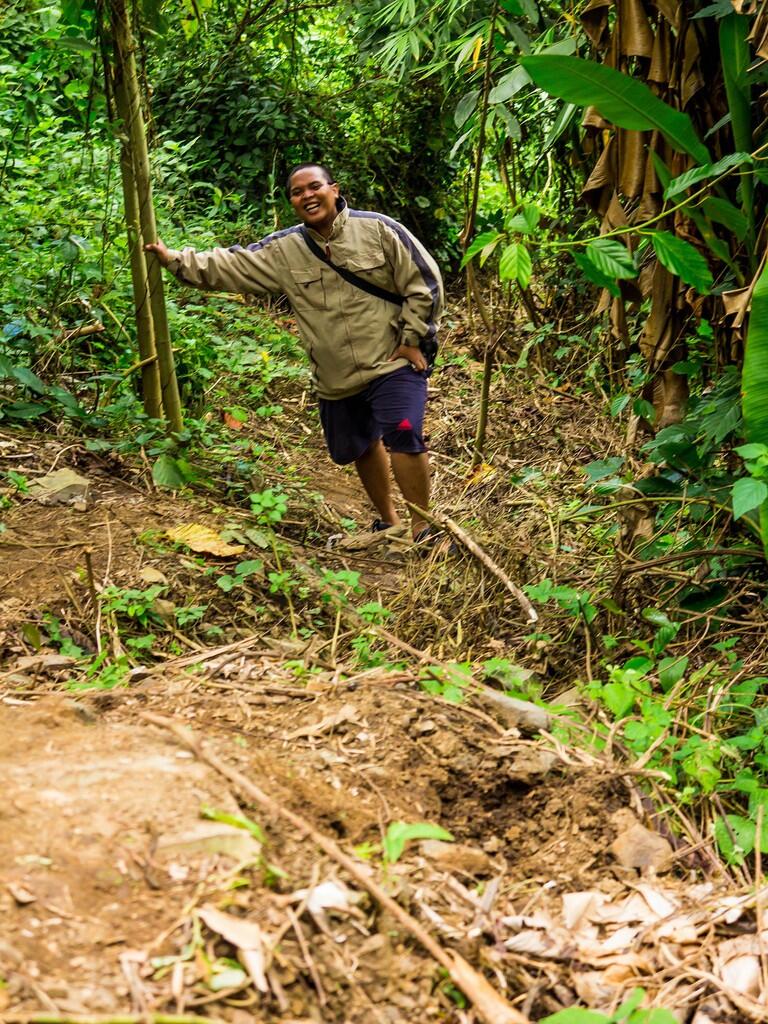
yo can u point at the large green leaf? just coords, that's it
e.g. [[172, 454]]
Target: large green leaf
[[754, 380], [724, 212], [478, 244], [716, 245], [515, 264], [746, 495], [561, 124], [696, 174], [509, 85], [681, 258], [465, 107], [735, 836], [735, 59], [167, 472], [626, 102], [734, 53], [30, 380], [611, 257], [595, 275], [23, 410]]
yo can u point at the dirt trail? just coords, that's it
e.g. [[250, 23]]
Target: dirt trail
[[105, 855], [116, 845]]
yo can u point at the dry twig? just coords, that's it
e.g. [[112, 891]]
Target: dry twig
[[446, 523]]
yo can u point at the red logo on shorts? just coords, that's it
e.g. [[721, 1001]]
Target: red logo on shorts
[[405, 425]]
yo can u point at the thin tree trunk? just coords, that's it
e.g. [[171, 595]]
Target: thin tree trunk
[[127, 75], [472, 285], [145, 331]]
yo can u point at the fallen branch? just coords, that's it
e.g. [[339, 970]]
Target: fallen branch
[[81, 332], [491, 1007], [522, 714], [123, 1018], [461, 535]]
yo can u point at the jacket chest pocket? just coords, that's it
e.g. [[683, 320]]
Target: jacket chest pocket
[[309, 290], [370, 265]]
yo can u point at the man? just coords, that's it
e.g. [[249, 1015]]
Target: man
[[365, 350]]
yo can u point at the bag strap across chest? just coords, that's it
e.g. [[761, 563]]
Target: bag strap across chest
[[348, 275]]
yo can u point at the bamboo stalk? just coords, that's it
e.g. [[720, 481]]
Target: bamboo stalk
[[127, 76], [145, 331]]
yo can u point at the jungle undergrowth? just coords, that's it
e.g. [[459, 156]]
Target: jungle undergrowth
[[660, 675]]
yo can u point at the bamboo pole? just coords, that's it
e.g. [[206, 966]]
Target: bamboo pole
[[145, 330], [125, 60]]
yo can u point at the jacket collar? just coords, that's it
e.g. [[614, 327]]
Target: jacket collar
[[338, 225]]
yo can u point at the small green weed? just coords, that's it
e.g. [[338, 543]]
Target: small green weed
[[250, 567], [18, 481], [628, 1013], [269, 506], [102, 674], [400, 833], [447, 681], [576, 602], [133, 604], [56, 635]]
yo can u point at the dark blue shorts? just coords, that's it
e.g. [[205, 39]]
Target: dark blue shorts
[[391, 407]]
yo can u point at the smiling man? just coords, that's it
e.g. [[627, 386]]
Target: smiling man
[[367, 298]]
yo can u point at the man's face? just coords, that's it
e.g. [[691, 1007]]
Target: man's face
[[313, 198]]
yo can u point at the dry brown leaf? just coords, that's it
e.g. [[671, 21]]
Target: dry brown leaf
[[20, 894], [232, 422], [247, 936], [480, 473], [151, 575], [533, 944], [580, 907], [203, 540]]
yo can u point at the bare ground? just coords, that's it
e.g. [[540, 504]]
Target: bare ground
[[116, 842]]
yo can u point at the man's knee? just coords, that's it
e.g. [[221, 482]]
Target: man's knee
[[404, 438]]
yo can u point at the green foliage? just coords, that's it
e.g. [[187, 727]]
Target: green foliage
[[611, 258], [680, 257], [624, 101], [628, 1013], [696, 174], [447, 681], [243, 570], [269, 506], [137, 605], [755, 383], [102, 673], [400, 833], [575, 602]]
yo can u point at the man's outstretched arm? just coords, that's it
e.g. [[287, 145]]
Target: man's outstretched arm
[[244, 271]]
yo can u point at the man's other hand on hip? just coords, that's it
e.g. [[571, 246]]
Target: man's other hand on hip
[[413, 354]]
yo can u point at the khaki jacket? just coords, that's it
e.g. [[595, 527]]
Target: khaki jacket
[[349, 335]]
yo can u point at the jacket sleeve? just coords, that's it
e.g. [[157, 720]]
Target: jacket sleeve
[[252, 271], [418, 280]]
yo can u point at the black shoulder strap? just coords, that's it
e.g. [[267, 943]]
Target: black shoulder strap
[[358, 282]]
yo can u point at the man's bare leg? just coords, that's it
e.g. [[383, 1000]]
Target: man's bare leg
[[373, 469], [412, 476]]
